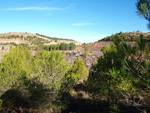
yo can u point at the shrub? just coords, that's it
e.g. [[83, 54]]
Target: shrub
[[85, 54], [3, 48]]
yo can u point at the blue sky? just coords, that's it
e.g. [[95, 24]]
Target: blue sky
[[81, 20]]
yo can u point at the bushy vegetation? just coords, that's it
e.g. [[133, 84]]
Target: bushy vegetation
[[37, 82], [11, 43], [62, 46], [120, 78], [40, 43], [54, 38], [124, 37], [143, 7], [121, 75], [11, 37], [3, 48], [32, 39], [86, 51]]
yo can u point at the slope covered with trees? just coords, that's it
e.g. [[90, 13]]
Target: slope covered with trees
[[62, 46], [54, 38], [119, 80], [128, 36], [121, 75], [32, 39], [118, 83], [38, 82]]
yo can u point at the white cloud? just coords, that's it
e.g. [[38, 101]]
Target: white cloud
[[82, 24], [70, 6], [52, 10], [33, 8], [62, 10]]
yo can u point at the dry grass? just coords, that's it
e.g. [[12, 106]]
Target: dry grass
[[29, 34]]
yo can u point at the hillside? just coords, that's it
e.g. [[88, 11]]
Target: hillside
[[31, 39], [95, 48], [127, 36]]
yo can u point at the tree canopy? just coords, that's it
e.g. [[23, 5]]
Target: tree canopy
[[39, 81], [143, 7]]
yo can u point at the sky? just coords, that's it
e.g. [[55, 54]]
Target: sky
[[82, 20]]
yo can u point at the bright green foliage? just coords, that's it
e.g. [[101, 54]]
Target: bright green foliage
[[51, 68], [79, 70], [33, 81], [141, 43], [143, 7], [15, 65], [85, 54], [122, 82], [86, 51], [15, 69], [139, 63], [109, 76], [120, 72], [77, 74], [37, 82]]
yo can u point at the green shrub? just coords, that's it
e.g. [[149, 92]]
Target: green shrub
[[114, 109], [3, 48], [85, 54]]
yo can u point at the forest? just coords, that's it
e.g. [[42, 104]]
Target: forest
[[61, 46], [118, 81], [46, 83], [54, 38]]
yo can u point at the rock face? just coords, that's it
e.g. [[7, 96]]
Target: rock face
[[98, 45], [3, 50], [95, 53], [89, 60]]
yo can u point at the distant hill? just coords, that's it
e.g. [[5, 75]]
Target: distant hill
[[32, 39], [127, 36], [53, 38]]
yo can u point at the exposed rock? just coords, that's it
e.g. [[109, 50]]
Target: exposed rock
[[89, 60]]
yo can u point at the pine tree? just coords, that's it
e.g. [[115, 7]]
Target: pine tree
[[16, 65]]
